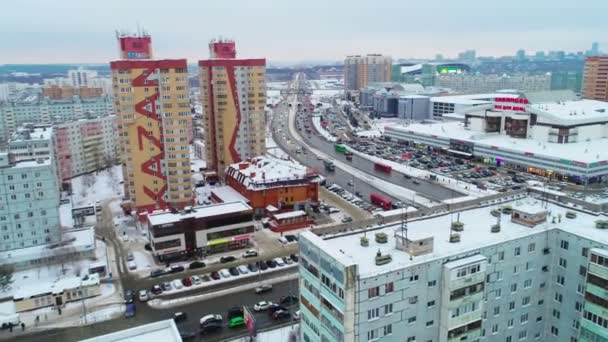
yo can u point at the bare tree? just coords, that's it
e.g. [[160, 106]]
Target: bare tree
[[6, 276]]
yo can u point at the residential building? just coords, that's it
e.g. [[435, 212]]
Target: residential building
[[32, 142], [200, 230], [268, 181], [535, 272], [85, 145], [81, 77], [29, 202], [359, 71], [572, 80], [153, 117], [471, 84], [595, 78], [39, 110], [560, 139], [233, 96], [55, 92]]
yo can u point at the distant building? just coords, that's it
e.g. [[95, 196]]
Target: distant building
[[201, 230], [572, 80], [233, 115], [471, 84], [153, 112], [268, 181], [85, 145], [39, 110], [359, 71], [595, 78], [81, 77], [32, 142], [29, 202], [383, 98], [55, 92]]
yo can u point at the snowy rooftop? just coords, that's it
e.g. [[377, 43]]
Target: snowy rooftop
[[290, 214], [161, 218], [477, 223], [572, 112], [228, 194], [583, 152], [30, 134], [261, 170], [471, 99], [32, 163], [64, 283], [165, 331]]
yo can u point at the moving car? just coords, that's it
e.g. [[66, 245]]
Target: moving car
[[129, 296], [143, 295], [261, 306], [156, 273], [289, 300], [180, 317], [227, 258], [209, 319], [130, 312], [281, 314], [235, 311], [274, 308], [211, 327], [250, 253], [176, 268], [196, 264]]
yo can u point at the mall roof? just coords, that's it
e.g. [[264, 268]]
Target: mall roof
[[165, 331], [477, 234], [472, 99], [161, 218], [550, 96], [571, 112]]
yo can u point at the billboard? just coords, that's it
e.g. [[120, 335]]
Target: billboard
[[249, 321], [135, 47]]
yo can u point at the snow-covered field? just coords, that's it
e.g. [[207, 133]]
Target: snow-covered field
[[316, 122], [284, 334], [92, 187]]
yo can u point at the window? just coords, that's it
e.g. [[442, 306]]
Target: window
[[558, 297], [582, 270], [525, 301], [560, 279], [523, 334], [373, 313], [510, 323], [413, 278], [585, 252], [498, 293], [531, 247], [372, 335], [430, 303], [411, 339], [517, 251], [578, 306], [523, 318], [411, 320], [554, 330], [501, 256], [511, 305], [388, 329], [373, 292], [513, 288], [430, 323], [539, 318], [563, 263], [556, 313], [496, 310], [508, 339], [564, 245], [527, 283], [388, 309], [494, 328], [432, 283], [413, 299], [390, 287]]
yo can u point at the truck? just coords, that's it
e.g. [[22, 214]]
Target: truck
[[329, 165], [381, 201], [348, 155], [383, 168], [340, 148]]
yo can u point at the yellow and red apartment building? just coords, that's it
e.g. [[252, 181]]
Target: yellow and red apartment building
[[151, 100], [233, 95]]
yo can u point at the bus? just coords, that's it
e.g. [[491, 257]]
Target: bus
[[383, 168], [381, 201], [340, 148]]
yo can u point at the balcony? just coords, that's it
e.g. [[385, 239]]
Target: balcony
[[466, 336], [467, 280]]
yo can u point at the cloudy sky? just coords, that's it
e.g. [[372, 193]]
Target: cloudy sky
[[45, 31]]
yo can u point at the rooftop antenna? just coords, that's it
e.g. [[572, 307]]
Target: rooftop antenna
[[404, 226]]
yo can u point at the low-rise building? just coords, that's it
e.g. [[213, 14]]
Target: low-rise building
[[269, 181], [496, 279], [165, 331], [200, 230], [291, 220], [62, 291]]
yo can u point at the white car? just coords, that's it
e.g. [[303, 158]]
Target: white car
[[250, 253], [177, 284], [296, 315], [132, 265], [225, 273], [243, 269], [279, 261], [212, 317], [143, 296], [283, 240], [196, 280], [261, 306]]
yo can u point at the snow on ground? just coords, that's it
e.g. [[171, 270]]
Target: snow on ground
[[195, 163], [65, 215], [92, 187], [273, 97], [144, 261], [290, 333], [372, 133], [276, 85], [316, 121], [103, 314]]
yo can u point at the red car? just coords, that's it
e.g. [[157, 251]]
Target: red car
[[187, 282]]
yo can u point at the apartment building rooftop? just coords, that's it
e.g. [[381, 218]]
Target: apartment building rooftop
[[31, 132], [261, 171], [476, 233]]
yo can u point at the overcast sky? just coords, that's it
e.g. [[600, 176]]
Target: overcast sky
[[68, 31]]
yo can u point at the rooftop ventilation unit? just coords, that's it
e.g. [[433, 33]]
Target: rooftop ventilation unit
[[383, 259]]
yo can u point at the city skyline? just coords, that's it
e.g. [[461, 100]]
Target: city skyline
[[401, 30]]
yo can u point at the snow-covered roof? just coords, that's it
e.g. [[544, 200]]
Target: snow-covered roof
[[261, 171], [584, 152], [477, 234], [165, 331], [291, 214], [32, 133], [472, 99], [156, 219], [571, 112], [228, 194], [62, 284], [32, 163]]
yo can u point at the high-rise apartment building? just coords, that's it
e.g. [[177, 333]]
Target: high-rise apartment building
[[151, 99], [233, 96], [81, 77], [523, 270], [595, 78], [359, 71]]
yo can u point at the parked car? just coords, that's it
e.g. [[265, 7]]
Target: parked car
[[227, 258], [243, 269], [279, 262], [130, 311], [283, 240], [271, 263], [208, 319], [235, 311], [176, 268], [180, 316], [263, 266], [196, 280], [129, 296], [263, 288], [287, 260], [233, 271], [132, 265], [196, 264], [156, 273], [210, 328], [281, 314], [225, 273], [177, 284], [187, 282], [130, 256], [187, 335], [261, 306], [252, 267], [156, 289], [296, 315], [289, 300], [250, 253], [347, 219], [215, 275], [294, 257], [236, 322], [143, 295]]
